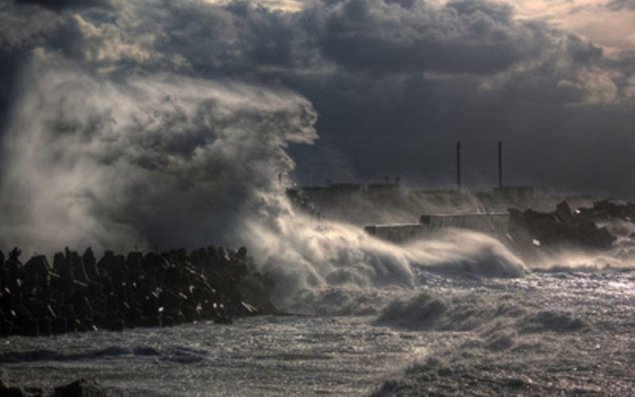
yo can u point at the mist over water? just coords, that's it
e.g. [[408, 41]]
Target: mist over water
[[122, 136], [332, 267], [145, 162], [162, 161]]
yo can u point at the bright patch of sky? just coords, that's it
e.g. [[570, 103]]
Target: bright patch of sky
[[279, 5], [600, 21], [596, 20]]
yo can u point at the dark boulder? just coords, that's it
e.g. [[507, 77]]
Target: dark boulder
[[90, 264], [559, 229], [77, 264], [81, 388], [12, 268], [563, 212], [6, 391], [608, 209], [36, 272]]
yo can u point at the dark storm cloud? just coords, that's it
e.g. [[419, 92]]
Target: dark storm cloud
[[558, 77], [361, 35], [395, 82], [236, 40], [62, 4], [381, 37], [21, 30], [621, 4]]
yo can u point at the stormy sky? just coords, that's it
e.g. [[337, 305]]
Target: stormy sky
[[395, 83]]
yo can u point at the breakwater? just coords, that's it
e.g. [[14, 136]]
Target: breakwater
[[494, 224], [82, 293], [529, 234]]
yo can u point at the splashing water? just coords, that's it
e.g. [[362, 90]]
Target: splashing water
[[164, 161], [155, 162]]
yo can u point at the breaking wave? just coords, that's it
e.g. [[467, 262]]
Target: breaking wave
[[164, 161], [144, 162], [337, 268], [467, 313]]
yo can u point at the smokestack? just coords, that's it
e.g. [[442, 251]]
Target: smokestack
[[500, 164], [458, 166]]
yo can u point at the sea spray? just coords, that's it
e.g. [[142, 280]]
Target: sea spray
[[331, 267], [463, 253], [163, 161], [144, 162]]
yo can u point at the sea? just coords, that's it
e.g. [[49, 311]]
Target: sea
[[557, 331]]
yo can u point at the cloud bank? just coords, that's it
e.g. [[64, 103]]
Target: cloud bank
[[395, 84]]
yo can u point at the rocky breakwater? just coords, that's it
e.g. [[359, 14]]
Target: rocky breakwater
[[81, 293], [78, 388], [610, 210], [535, 232]]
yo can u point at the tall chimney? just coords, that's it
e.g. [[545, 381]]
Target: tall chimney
[[458, 166], [500, 164]]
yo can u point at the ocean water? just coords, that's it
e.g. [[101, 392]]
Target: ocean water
[[99, 158], [566, 332]]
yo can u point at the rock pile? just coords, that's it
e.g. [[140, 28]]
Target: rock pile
[[10, 391], [606, 209], [81, 293], [559, 229], [78, 388]]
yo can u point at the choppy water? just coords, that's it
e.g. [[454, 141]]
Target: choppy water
[[267, 356], [548, 333]]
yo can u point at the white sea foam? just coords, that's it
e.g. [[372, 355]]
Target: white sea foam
[[313, 260]]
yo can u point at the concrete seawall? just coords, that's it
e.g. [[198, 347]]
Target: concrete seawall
[[494, 224]]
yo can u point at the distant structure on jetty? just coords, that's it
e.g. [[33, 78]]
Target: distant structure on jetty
[[382, 193], [388, 202], [515, 215], [334, 198]]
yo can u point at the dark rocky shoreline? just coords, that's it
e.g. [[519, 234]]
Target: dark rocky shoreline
[[78, 388], [79, 293]]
